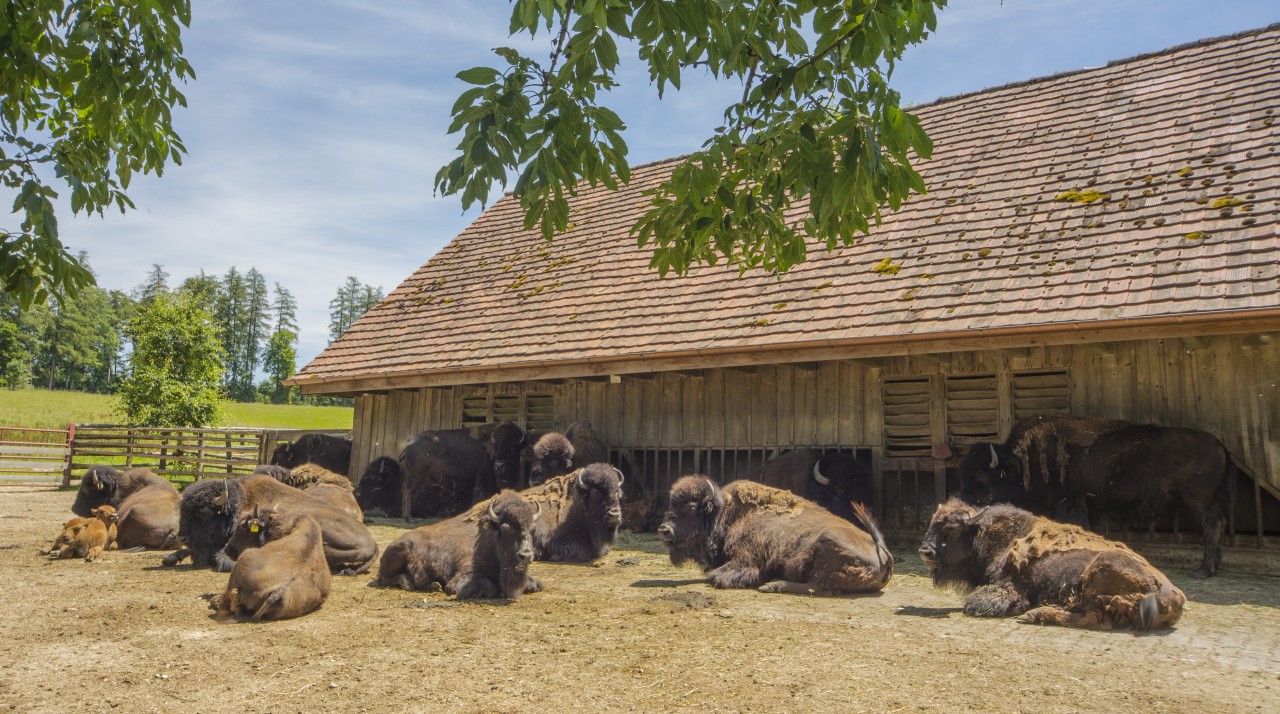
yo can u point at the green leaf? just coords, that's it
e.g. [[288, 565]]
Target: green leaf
[[479, 75]]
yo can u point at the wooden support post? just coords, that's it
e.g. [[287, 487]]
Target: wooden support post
[[199, 469], [128, 449], [230, 467], [71, 454]]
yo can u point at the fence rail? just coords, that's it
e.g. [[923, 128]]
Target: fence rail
[[32, 455]]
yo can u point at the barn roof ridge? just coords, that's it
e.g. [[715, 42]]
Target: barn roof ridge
[[1128, 194]]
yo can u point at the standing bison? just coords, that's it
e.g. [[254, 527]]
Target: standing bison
[[485, 557], [1013, 563], [330, 452], [440, 470], [146, 505], [747, 535], [211, 509], [506, 445], [1076, 469], [830, 480], [381, 487]]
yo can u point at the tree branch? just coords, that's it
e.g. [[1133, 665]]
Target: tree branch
[[558, 51]]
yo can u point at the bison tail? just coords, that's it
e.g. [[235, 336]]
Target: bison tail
[[1148, 612], [868, 523]]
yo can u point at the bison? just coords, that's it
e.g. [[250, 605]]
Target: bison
[[581, 513], [85, 537], [1014, 563], [146, 505], [831, 480], [211, 508], [587, 448], [552, 456], [381, 487], [485, 557], [505, 444], [280, 569], [440, 472], [748, 535], [318, 482], [1077, 469], [331, 452]]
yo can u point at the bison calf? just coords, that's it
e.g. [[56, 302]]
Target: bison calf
[[1013, 563], [747, 535], [483, 558], [280, 569], [86, 537]]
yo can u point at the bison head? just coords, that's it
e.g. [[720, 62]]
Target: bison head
[[251, 531], [990, 473], [949, 549], [552, 456], [277, 472], [844, 477], [506, 444], [380, 486], [207, 515], [597, 490], [288, 456], [688, 529], [506, 539], [100, 485]]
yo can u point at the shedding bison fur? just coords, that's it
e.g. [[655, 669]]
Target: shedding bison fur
[[280, 568], [581, 513], [553, 455], [330, 452], [146, 505], [319, 482], [210, 509], [832, 480], [748, 535], [483, 557], [1082, 470], [380, 487], [440, 470], [1011, 563]]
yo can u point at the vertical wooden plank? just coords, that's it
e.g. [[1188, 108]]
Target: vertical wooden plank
[[1004, 398], [713, 416], [873, 409], [804, 406], [694, 400], [763, 414], [670, 392], [737, 406], [826, 403], [938, 432]]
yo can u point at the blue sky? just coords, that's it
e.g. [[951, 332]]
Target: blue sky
[[314, 129]]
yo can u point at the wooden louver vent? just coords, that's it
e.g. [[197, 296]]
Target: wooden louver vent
[[475, 410], [973, 408], [1041, 393], [539, 412], [533, 412], [906, 417]]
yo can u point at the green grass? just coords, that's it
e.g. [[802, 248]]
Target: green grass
[[46, 409]]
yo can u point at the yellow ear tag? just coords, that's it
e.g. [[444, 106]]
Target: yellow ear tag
[[253, 527], [100, 487]]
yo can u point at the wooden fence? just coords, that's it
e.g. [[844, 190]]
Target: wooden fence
[[59, 456]]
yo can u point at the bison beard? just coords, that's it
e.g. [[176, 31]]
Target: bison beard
[[750, 535], [1012, 563], [470, 558], [146, 505], [280, 569], [208, 511]]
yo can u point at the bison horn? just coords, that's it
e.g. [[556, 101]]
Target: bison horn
[[817, 474], [221, 501], [973, 519], [621, 479], [493, 515], [995, 460], [581, 484], [538, 513]]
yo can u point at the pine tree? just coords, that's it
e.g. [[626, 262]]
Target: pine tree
[[279, 359], [157, 282], [286, 310], [353, 300], [256, 323], [228, 314]]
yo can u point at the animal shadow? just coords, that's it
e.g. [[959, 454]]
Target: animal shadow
[[666, 583], [916, 611]]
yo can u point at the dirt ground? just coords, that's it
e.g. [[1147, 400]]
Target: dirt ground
[[631, 633]]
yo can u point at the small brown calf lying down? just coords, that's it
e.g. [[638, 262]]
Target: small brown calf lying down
[[280, 569], [86, 537]]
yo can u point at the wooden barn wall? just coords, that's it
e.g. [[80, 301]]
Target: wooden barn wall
[[1227, 385]]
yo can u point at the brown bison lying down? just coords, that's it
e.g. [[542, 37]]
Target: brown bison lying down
[[484, 558], [146, 505], [86, 537], [747, 535], [318, 482], [1014, 563], [280, 569]]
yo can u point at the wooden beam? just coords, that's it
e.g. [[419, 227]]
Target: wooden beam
[[872, 362], [1120, 330]]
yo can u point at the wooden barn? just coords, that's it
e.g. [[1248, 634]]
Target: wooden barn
[[1101, 242]]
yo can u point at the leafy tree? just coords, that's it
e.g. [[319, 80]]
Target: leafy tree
[[255, 322], [280, 360], [176, 364], [817, 122], [204, 288], [353, 300], [21, 339], [81, 334], [87, 90]]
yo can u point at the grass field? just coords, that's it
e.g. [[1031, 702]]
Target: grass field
[[47, 409]]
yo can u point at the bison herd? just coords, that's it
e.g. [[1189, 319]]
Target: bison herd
[[801, 525]]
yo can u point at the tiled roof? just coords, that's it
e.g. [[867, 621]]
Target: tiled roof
[[1181, 144]]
